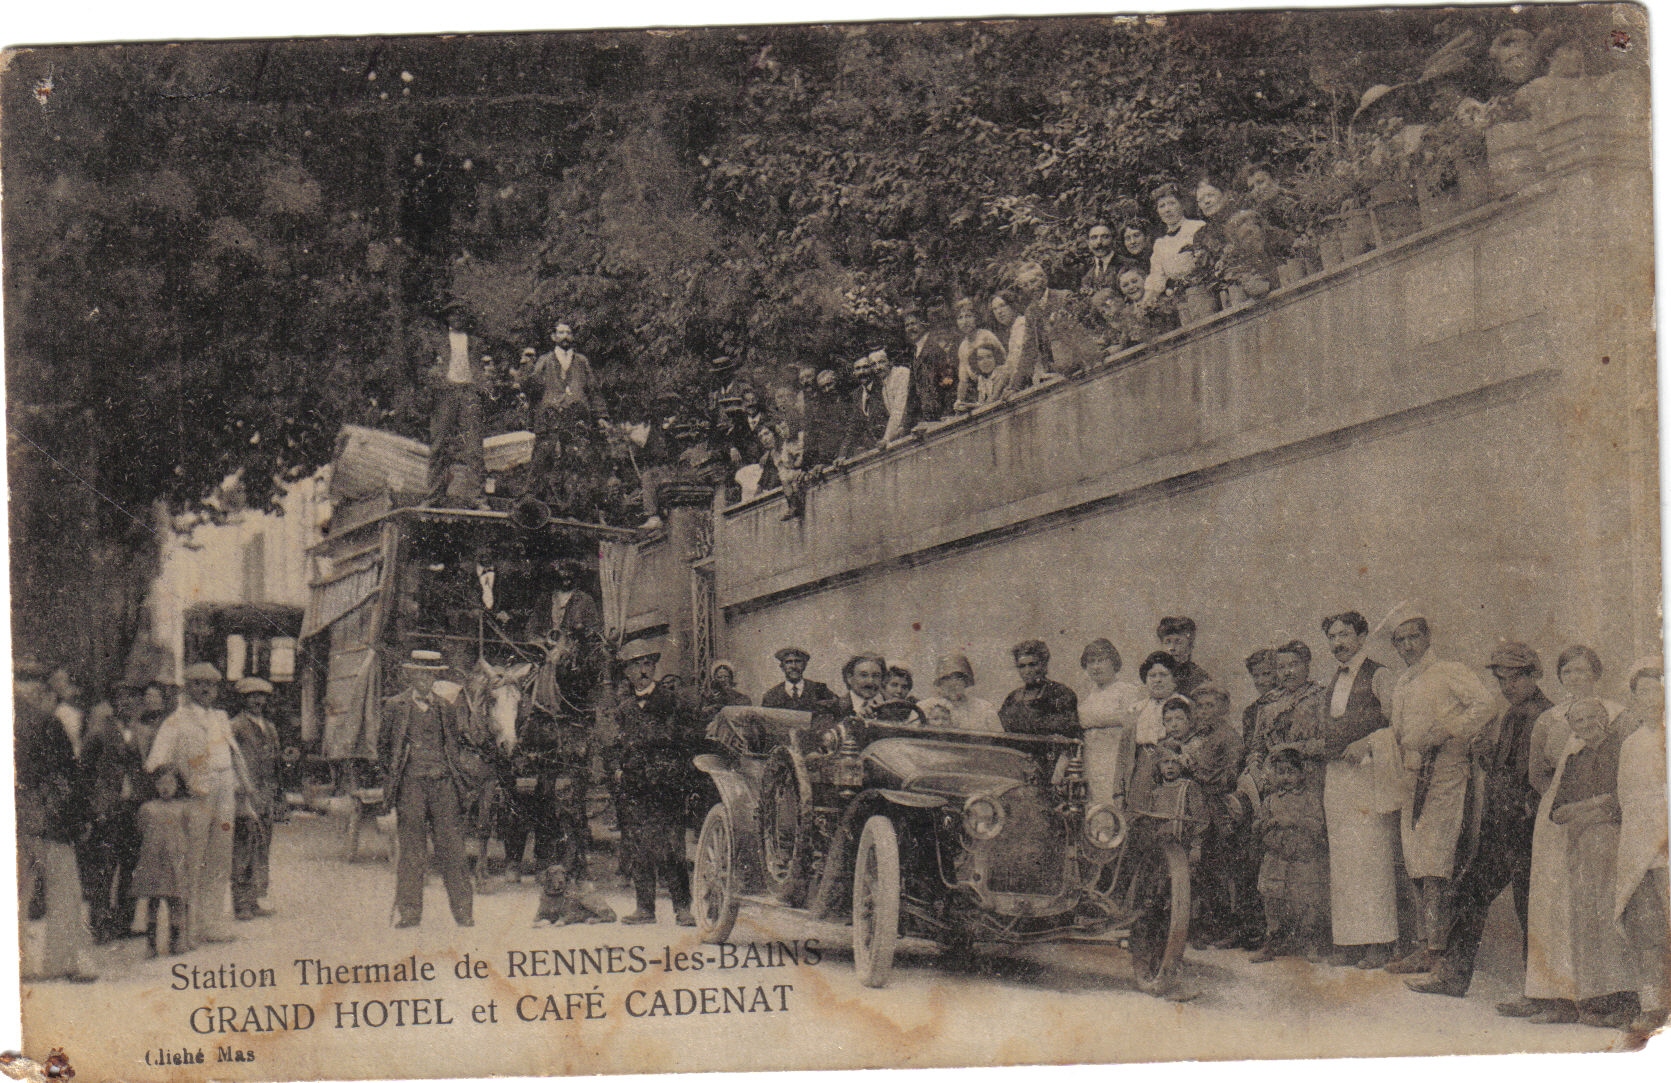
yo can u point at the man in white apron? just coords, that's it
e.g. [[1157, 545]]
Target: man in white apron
[[1362, 817]]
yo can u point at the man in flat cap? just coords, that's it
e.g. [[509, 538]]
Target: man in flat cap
[[649, 766], [258, 744], [1510, 809], [196, 743], [795, 692], [419, 745]]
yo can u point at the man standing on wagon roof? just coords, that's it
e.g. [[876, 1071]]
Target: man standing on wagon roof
[[795, 692], [418, 744]]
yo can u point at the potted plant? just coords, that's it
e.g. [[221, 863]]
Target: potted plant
[[1451, 164]]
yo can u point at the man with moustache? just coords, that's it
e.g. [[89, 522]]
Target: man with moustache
[[795, 692], [1099, 242]]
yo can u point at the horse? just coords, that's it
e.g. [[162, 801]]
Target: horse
[[495, 698]]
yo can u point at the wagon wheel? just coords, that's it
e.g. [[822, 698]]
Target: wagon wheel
[[876, 888], [713, 889], [1160, 916], [784, 809]]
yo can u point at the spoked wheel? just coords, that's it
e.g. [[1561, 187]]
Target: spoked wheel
[[1160, 916], [783, 831], [713, 895], [876, 902]]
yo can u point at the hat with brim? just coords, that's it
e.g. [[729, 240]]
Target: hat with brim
[[954, 665], [201, 671], [786, 653], [425, 662], [641, 648], [251, 685]]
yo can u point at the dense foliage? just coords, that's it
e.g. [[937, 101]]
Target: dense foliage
[[218, 254]]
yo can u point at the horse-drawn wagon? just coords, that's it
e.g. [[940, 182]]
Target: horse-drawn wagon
[[951, 836], [511, 601]]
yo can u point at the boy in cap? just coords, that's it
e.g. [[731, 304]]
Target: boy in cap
[[795, 692], [418, 744], [258, 744], [1293, 875]]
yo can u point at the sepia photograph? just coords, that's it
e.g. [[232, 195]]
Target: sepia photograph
[[950, 543]]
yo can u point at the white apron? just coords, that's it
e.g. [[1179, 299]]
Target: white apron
[[1572, 953], [1363, 844]]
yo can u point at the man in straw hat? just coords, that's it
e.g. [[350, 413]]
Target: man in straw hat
[[795, 692], [650, 773], [196, 743], [258, 744], [418, 744]]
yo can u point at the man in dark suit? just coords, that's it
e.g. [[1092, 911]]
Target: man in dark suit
[[1103, 272], [795, 692], [419, 744], [649, 764], [252, 831]]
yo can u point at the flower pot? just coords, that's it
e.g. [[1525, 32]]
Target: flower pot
[[1235, 295], [1199, 304], [1328, 250], [1473, 185], [1393, 219], [1290, 272], [1356, 233], [1438, 206], [1511, 155]]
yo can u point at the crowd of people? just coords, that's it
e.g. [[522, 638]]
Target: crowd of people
[[154, 808], [1166, 255], [1369, 819]]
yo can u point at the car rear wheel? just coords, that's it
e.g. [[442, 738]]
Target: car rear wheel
[[876, 902], [1160, 916], [712, 888]]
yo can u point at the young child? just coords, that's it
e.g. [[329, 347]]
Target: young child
[[937, 712], [1293, 877], [162, 874]]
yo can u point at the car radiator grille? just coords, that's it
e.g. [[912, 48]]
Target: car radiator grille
[[1027, 857]]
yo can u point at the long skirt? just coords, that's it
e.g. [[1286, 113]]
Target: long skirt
[[1575, 949], [1363, 848], [1108, 755]]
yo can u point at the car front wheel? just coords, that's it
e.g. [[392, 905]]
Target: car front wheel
[[876, 902], [1160, 916], [713, 888]]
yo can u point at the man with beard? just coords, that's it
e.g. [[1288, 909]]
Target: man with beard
[[647, 764]]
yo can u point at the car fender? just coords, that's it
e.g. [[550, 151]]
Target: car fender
[[913, 800], [738, 793]]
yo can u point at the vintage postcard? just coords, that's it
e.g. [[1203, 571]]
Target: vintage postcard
[[963, 543]]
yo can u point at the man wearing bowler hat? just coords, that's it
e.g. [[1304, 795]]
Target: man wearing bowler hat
[[258, 743], [418, 744], [649, 765], [795, 692]]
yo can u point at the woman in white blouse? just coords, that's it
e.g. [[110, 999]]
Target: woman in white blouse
[[1106, 713]]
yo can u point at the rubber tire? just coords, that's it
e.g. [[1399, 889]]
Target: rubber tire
[[876, 889], [713, 888], [781, 782], [1160, 933]]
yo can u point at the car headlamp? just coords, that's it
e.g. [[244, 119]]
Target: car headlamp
[[1105, 828], [983, 817]]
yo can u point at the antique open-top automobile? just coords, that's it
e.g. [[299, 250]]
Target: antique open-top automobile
[[940, 834]]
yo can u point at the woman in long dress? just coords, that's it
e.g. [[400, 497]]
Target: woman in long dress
[[1107, 713], [1640, 897], [1576, 952]]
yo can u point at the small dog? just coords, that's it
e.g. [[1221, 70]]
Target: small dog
[[564, 904]]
